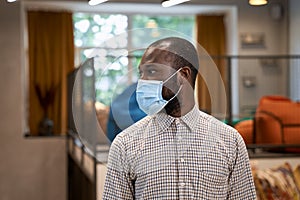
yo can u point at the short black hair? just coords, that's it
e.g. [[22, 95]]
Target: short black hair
[[183, 52]]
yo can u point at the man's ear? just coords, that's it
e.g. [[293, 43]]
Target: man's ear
[[186, 72]]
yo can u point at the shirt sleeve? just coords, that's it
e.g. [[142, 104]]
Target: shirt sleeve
[[118, 184], [241, 180]]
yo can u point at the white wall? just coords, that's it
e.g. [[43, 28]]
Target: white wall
[[295, 48], [31, 168], [268, 80], [294, 19]]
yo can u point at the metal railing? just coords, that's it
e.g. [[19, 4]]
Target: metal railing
[[280, 65]]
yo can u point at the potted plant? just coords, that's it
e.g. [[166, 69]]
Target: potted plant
[[46, 100]]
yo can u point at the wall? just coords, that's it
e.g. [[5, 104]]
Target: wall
[[294, 48], [271, 79], [31, 168], [294, 34]]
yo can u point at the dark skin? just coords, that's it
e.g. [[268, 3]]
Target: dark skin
[[157, 64]]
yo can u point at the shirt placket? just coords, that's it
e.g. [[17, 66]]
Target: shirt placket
[[181, 161]]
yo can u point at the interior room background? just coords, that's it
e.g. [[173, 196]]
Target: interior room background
[[35, 168]]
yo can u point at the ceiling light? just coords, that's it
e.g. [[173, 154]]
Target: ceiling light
[[96, 2], [168, 3], [258, 2], [10, 1]]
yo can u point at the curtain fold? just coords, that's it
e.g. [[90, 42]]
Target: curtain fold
[[51, 58], [211, 36]]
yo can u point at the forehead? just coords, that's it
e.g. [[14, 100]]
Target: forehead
[[157, 56]]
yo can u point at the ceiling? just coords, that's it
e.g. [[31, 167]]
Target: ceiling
[[147, 1], [152, 6]]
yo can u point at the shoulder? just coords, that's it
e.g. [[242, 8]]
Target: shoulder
[[130, 138], [127, 144], [218, 131], [225, 137], [217, 126], [135, 129]]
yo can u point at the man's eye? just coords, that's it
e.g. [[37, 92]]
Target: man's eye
[[151, 71]]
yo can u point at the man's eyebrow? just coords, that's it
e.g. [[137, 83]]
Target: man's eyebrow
[[147, 65]]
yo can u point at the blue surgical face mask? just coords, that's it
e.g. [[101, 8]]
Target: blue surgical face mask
[[149, 95]]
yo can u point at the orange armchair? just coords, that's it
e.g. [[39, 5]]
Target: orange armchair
[[277, 121]]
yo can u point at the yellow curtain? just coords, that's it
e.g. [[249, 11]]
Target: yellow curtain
[[51, 58], [211, 36]]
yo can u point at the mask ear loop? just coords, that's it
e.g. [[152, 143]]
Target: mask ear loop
[[179, 87], [172, 75], [175, 94]]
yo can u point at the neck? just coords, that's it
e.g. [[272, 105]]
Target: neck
[[176, 109], [173, 108]]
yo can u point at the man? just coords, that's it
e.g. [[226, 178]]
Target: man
[[177, 152]]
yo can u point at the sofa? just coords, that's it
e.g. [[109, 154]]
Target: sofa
[[276, 121]]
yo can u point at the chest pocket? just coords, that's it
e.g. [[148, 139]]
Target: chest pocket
[[209, 173]]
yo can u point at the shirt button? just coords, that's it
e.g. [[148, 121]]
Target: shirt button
[[182, 160], [179, 137], [182, 184]]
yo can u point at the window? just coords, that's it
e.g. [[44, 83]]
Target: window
[[116, 49]]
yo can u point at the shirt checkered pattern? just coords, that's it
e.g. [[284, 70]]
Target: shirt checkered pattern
[[192, 157]]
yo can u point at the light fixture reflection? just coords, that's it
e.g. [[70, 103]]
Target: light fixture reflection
[[258, 2], [96, 2], [169, 3]]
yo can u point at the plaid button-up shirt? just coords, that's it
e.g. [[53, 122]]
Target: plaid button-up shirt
[[192, 157]]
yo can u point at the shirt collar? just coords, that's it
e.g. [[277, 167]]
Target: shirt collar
[[190, 119], [163, 120]]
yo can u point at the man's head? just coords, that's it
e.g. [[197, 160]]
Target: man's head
[[175, 62], [173, 52]]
